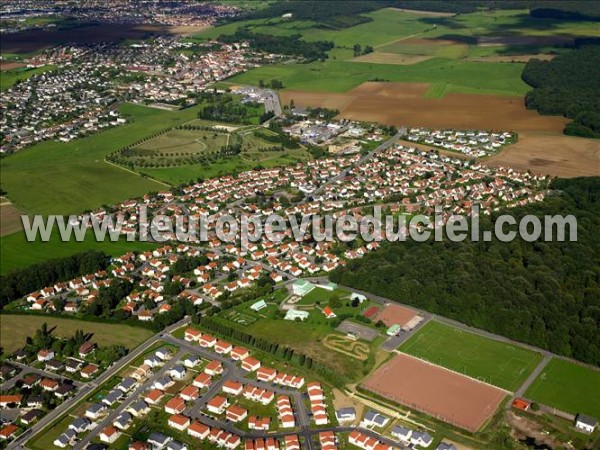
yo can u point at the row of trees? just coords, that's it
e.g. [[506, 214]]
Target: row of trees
[[283, 45], [295, 358], [542, 293], [24, 281], [568, 85]]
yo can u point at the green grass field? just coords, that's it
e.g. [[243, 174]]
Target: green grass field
[[569, 387], [182, 141], [16, 328], [341, 76], [16, 252], [9, 77], [387, 25], [235, 164], [503, 365], [453, 41], [63, 178]]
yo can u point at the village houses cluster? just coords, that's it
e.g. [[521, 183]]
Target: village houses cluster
[[475, 143], [82, 94]]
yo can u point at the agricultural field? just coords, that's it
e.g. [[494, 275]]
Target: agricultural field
[[17, 253], [388, 24], [75, 176], [556, 154], [503, 365], [341, 76], [422, 106], [10, 217], [16, 328], [433, 49], [569, 387], [9, 77]]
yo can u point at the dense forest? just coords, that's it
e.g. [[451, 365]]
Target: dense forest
[[22, 282], [568, 85], [542, 293], [283, 45]]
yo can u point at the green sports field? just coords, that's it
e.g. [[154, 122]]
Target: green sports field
[[503, 365], [567, 386]]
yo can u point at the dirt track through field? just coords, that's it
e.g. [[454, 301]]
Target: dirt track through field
[[446, 395], [542, 147]]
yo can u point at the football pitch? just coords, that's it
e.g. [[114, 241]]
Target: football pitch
[[503, 365], [567, 386]]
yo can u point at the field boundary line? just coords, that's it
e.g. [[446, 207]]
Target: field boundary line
[[137, 173], [506, 391], [400, 39]]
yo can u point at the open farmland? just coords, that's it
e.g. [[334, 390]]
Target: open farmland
[[16, 328], [341, 76], [569, 387], [10, 217], [75, 176], [553, 153], [503, 365], [431, 389], [407, 104], [388, 24], [16, 252]]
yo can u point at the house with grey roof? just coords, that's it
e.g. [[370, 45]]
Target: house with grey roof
[[421, 438], [65, 439], [112, 397], [126, 384], [158, 441], [586, 423], [345, 414], [123, 421], [138, 408], [402, 433], [95, 410], [374, 419], [446, 446], [80, 425]]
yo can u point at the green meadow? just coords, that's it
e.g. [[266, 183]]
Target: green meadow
[[9, 77], [341, 76], [64, 178], [568, 386], [16, 252]]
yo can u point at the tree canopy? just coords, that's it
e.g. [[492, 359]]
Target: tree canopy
[[542, 293]]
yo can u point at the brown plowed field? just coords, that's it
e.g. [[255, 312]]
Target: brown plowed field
[[446, 395], [542, 147], [554, 154], [405, 104]]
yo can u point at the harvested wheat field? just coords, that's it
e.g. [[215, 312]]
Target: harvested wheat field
[[555, 154], [391, 58], [405, 104], [542, 147], [443, 394]]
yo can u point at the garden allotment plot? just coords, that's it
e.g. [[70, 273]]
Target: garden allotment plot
[[503, 365]]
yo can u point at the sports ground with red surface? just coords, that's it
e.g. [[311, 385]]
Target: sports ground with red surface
[[396, 314], [439, 392]]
